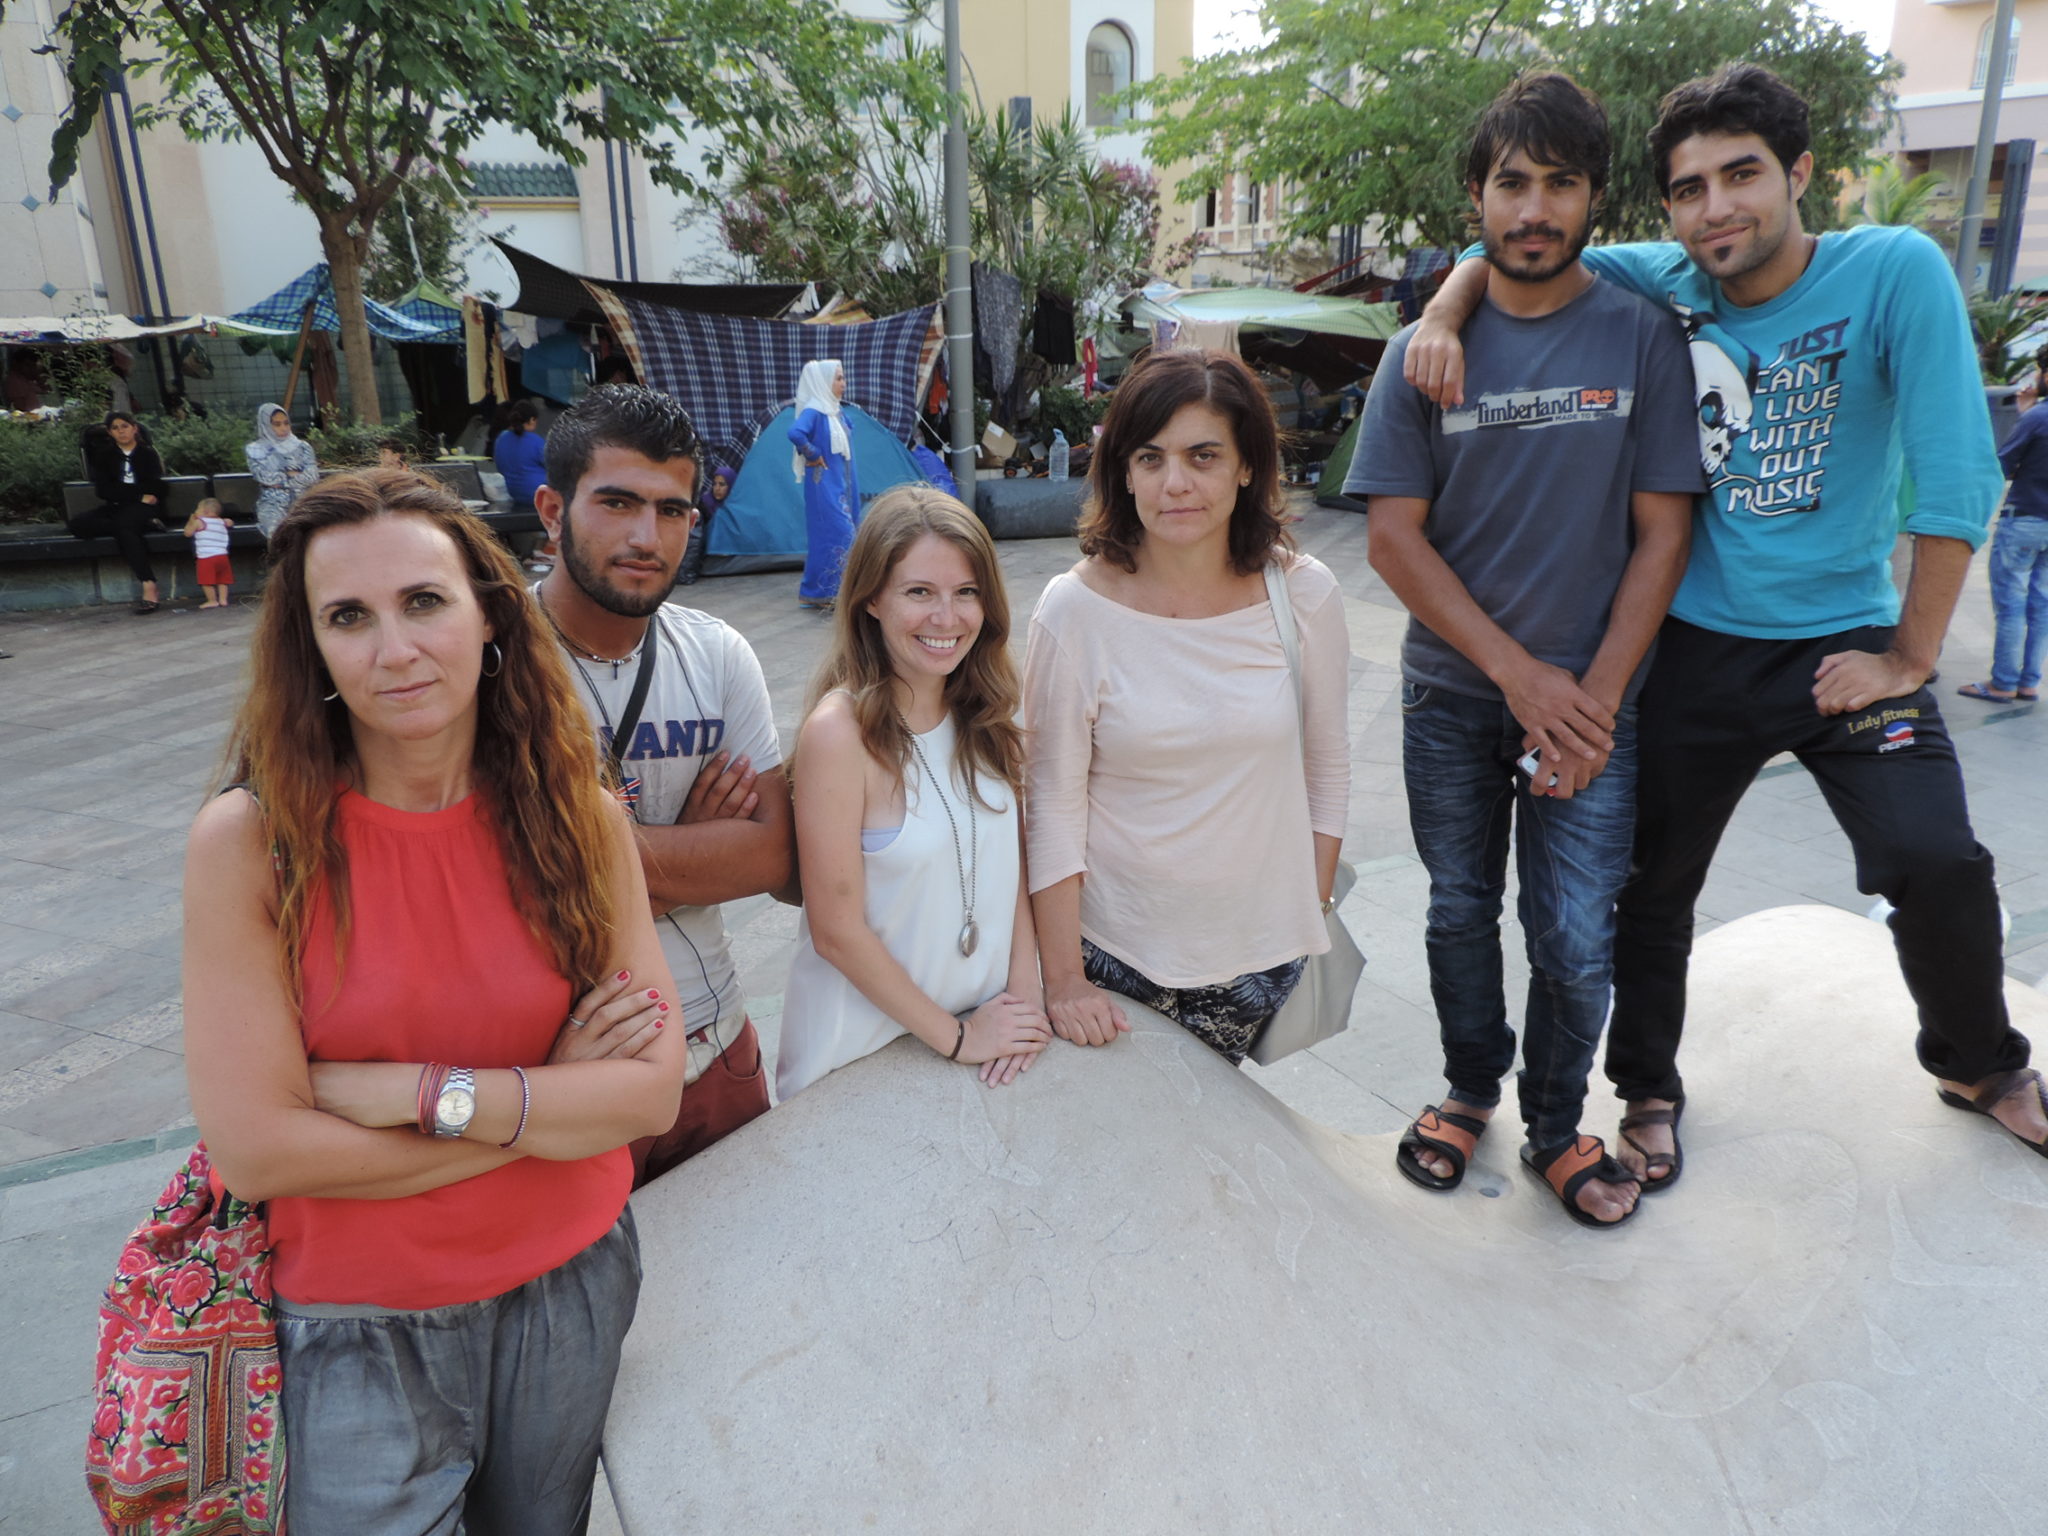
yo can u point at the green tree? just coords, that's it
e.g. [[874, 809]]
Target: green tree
[[1630, 52], [346, 99], [1364, 108], [858, 205], [427, 233], [1893, 197]]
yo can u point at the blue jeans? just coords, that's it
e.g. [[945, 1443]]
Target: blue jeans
[[2019, 602], [1458, 756]]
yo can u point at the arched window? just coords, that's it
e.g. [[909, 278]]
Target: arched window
[[1112, 59], [2012, 55]]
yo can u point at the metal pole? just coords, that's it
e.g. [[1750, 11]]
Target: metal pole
[[959, 289], [1987, 146]]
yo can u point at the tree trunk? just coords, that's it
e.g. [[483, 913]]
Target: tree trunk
[[345, 254]]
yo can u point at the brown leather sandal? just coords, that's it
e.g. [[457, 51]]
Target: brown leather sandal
[[1996, 1091], [1568, 1168], [1674, 1160]]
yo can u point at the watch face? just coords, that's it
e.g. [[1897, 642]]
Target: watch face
[[457, 1106]]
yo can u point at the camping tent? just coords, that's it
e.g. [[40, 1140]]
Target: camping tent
[[761, 527], [1330, 488]]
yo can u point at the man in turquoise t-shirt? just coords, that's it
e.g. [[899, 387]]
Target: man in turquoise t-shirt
[[1832, 373]]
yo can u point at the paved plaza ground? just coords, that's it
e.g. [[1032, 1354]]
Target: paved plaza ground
[[110, 734]]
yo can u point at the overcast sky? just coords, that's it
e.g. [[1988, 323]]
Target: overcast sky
[[1223, 24]]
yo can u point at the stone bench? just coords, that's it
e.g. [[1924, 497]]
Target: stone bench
[[43, 565]]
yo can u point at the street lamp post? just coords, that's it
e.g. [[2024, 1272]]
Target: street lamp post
[[1987, 146], [959, 293]]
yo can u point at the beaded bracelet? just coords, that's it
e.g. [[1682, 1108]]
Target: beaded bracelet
[[433, 1078], [525, 1104]]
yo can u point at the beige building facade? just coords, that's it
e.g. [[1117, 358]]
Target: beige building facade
[[157, 225], [1945, 47]]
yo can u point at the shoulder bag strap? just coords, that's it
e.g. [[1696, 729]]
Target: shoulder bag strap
[[1290, 641], [629, 717]]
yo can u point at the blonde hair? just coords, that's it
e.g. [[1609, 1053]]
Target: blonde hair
[[981, 693]]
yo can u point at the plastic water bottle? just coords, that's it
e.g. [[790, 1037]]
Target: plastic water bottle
[[1056, 467]]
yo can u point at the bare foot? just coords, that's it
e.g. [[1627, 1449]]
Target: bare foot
[[1658, 1143], [1607, 1202], [1436, 1165], [2020, 1111]]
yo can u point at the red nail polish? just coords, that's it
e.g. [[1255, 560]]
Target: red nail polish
[[625, 975], [652, 993], [662, 1006], [658, 1023]]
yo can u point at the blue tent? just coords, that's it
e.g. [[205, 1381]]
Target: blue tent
[[761, 527]]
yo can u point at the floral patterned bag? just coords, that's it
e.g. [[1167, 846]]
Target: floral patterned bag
[[187, 1437]]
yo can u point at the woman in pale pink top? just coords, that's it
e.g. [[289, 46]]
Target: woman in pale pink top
[[1183, 830]]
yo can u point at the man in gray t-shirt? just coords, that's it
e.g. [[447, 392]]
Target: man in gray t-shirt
[[1536, 533]]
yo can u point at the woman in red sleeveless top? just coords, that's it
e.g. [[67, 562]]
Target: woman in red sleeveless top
[[387, 932]]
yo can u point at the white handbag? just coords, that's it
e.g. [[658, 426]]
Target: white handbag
[[1320, 1005]]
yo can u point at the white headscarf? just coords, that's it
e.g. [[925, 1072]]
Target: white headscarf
[[814, 393]]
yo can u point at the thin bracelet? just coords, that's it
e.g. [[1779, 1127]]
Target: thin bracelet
[[433, 1077], [954, 1055], [525, 1104]]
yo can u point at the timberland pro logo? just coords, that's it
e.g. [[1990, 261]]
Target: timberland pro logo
[[1557, 407]]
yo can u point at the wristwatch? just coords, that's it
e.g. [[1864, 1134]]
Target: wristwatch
[[455, 1105]]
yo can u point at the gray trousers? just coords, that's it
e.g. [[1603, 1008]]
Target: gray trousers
[[482, 1419]]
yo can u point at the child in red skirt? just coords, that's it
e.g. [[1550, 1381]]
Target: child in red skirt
[[207, 528]]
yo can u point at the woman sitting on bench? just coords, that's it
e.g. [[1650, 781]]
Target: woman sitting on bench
[[128, 476]]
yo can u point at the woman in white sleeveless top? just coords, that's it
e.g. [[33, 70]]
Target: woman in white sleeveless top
[[906, 781]]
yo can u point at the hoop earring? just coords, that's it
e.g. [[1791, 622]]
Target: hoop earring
[[329, 698], [498, 656]]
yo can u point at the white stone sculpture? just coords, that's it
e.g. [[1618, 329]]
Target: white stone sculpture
[[1133, 1293]]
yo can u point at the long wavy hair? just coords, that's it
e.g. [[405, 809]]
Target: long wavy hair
[[1148, 398], [535, 763], [982, 692]]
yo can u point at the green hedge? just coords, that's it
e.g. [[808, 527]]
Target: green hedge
[[37, 457]]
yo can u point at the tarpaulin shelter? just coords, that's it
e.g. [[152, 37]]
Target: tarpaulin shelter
[[91, 330], [555, 293], [1332, 340], [731, 371], [426, 304], [283, 312], [761, 525], [1269, 309]]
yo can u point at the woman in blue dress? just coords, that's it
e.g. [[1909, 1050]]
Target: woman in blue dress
[[823, 464]]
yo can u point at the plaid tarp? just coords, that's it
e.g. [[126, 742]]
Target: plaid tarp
[[282, 309], [733, 373], [424, 304]]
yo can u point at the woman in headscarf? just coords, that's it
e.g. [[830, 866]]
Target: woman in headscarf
[[281, 463], [709, 505], [823, 463]]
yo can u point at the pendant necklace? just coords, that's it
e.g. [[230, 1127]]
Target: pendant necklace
[[970, 931]]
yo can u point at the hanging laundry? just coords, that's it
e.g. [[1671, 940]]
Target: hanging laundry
[[1052, 329]]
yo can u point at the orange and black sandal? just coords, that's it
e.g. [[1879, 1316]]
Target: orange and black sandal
[[1446, 1135], [1568, 1167]]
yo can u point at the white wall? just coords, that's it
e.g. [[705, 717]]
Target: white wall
[[262, 239]]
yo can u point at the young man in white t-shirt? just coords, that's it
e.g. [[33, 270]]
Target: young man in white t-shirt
[[701, 766]]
